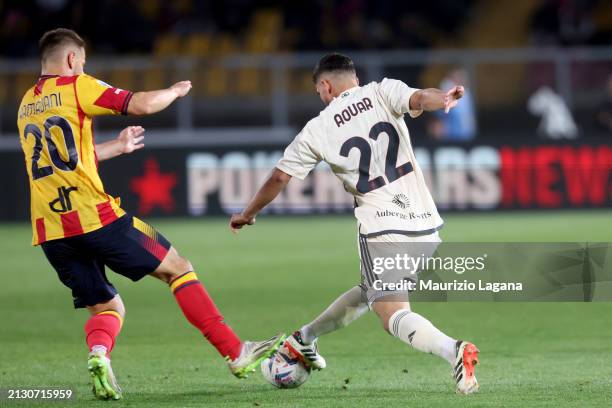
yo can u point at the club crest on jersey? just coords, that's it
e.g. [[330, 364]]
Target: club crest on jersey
[[352, 110], [401, 201]]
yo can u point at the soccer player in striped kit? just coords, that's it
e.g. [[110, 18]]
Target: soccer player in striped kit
[[81, 229]]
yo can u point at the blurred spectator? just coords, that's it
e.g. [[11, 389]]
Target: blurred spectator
[[603, 115], [576, 22], [117, 32], [557, 120], [129, 26], [460, 123], [566, 22]]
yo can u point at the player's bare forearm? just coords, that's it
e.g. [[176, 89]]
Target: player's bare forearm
[[271, 188], [129, 139], [147, 103], [431, 99], [107, 150]]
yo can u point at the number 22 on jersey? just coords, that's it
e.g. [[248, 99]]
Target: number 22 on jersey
[[392, 170]]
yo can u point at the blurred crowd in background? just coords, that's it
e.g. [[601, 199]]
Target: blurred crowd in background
[[501, 97], [132, 26]]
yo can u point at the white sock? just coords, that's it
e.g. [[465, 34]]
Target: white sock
[[414, 329], [346, 308]]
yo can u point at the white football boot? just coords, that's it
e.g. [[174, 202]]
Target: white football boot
[[307, 353], [465, 365], [252, 354]]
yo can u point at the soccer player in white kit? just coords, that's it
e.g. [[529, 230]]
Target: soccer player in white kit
[[362, 135]]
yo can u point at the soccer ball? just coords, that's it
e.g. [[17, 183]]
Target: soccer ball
[[284, 370]]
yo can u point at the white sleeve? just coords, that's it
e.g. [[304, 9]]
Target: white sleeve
[[397, 96], [300, 156]]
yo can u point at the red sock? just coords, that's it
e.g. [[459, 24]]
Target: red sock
[[200, 310], [101, 330]]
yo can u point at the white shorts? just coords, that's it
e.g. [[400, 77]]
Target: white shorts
[[388, 260]]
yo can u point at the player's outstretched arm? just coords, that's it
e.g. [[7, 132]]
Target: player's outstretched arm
[[431, 99], [129, 139], [147, 103], [275, 183]]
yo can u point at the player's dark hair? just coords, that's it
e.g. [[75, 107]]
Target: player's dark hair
[[53, 39], [333, 62]]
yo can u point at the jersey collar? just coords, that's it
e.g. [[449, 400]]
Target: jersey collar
[[345, 94], [41, 81]]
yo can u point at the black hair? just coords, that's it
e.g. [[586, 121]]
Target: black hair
[[333, 62], [53, 39]]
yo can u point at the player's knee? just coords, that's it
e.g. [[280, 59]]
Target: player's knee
[[121, 311], [172, 267], [119, 308], [176, 263], [384, 320], [179, 266], [186, 265], [114, 305], [167, 276], [384, 310], [385, 323]]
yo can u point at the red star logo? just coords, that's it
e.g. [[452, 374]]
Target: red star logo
[[154, 188]]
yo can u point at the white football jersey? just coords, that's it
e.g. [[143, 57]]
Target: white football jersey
[[363, 137]]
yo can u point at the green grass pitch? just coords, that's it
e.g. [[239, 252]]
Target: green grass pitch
[[278, 275]]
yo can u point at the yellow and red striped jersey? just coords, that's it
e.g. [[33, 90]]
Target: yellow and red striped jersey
[[55, 129]]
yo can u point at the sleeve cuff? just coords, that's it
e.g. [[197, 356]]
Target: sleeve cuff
[[415, 113], [126, 103], [290, 172]]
